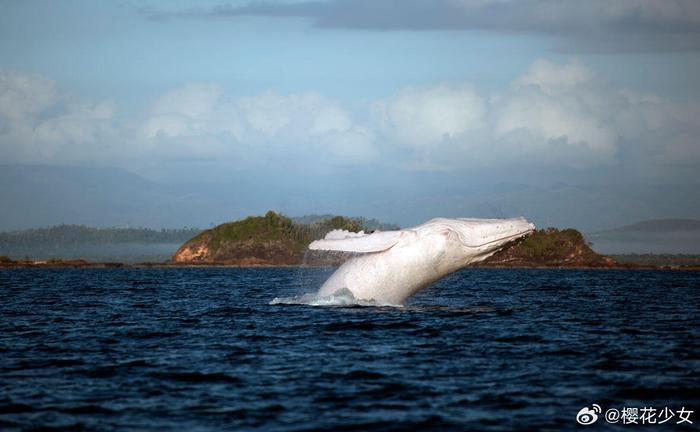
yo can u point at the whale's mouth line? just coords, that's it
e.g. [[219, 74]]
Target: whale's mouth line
[[510, 237]]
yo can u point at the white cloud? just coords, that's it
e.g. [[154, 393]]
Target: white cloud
[[196, 101], [272, 125], [554, 106], [556, 114], [22, 95], [422, 117], [38, 123], [584, 120], [184, 111], [353, 145], [194, 121], [563, 114], [553, 78], [307, 114], [306, 125]]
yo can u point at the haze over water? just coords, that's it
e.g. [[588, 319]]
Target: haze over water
[[202, 349]]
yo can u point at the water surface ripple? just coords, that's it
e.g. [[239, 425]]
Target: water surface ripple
[[203, 349]]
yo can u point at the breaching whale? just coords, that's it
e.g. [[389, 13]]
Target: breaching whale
[[393, 265]]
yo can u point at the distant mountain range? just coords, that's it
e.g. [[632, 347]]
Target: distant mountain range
[[40, 196], [659, 236], [33, 196]]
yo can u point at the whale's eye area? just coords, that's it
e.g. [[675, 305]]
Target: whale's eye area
[[446, 233]]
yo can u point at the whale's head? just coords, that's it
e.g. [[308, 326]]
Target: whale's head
[[480, 238], [454, 242]]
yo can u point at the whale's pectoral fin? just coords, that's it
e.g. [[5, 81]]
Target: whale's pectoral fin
[[338, 240]]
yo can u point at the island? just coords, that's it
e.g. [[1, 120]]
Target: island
[[269, 240], [276, 240], [549, 247]]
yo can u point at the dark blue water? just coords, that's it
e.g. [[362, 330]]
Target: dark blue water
[[202, 349]]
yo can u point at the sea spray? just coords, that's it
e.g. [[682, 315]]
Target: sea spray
[[343, 298], [329, 260]]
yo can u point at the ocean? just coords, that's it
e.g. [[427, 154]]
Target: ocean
[[209, 349]]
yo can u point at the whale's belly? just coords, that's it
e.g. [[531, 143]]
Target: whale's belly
[[392, 276]]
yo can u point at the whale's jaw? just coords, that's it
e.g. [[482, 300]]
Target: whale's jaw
[[490, 237]]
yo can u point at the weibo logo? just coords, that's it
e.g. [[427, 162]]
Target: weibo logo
[[587, 416]]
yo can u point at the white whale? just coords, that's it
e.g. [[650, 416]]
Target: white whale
[[394, 265]]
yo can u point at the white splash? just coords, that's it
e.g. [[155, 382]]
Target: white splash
[[339, 298]]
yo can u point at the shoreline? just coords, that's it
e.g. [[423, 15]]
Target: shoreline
[[80, 264]]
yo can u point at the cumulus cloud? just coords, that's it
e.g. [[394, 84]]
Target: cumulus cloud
[[308, 123], [592, 24], [563, 114], [424, 116], [553, 78], [570, 105], [190, 122], [553, 114], [559, 111], [38, 122], [184, 111], [270, 125]]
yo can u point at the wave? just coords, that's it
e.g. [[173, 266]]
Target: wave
[[343, 298]]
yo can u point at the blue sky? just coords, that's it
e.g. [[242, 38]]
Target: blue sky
[[373, 94]]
